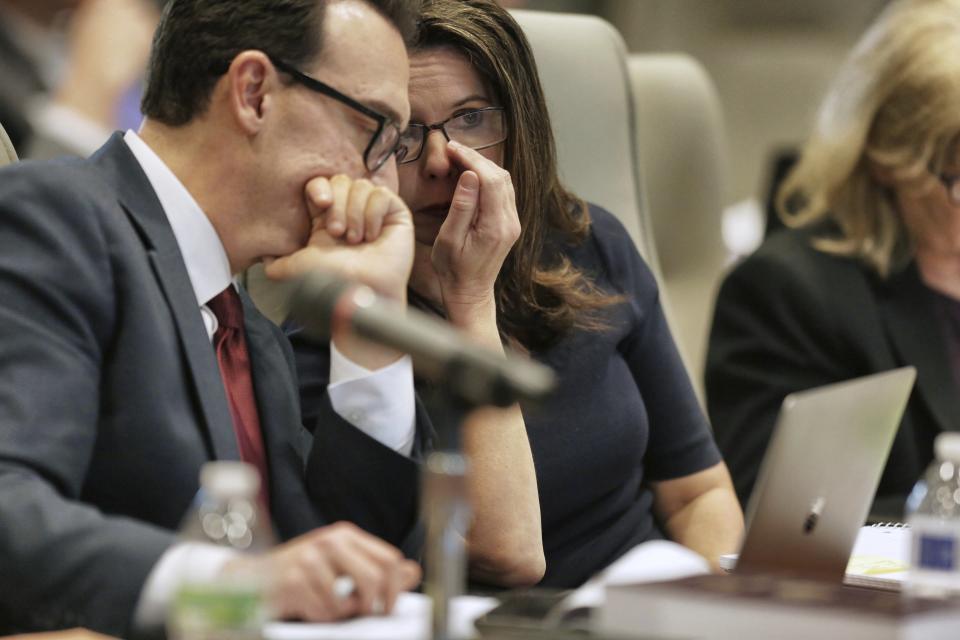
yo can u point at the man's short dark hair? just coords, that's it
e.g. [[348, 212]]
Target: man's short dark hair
[[198, 39]]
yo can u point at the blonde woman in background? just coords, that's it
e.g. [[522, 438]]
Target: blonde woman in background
[[867, 277]]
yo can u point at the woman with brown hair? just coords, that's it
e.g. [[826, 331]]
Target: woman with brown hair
[[868, 277], [622, 452]]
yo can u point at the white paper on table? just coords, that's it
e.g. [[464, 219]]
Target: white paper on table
[[647, 562], [892, 543], [410, 620]]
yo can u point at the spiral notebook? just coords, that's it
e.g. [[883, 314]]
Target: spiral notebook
[[880, 557]]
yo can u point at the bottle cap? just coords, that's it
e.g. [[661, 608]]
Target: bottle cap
[[947, 446], [228, 479]]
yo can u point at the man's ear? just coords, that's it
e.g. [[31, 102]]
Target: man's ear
[[250, 79]]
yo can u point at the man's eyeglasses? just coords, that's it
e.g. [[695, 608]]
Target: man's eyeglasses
[[952, 185], [477, 129], [385, 140]]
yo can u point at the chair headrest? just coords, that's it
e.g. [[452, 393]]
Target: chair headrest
[[680, 144], [582, 65]]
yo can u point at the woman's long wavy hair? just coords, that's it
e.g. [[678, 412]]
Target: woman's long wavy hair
[[894, 111], [539, 297]]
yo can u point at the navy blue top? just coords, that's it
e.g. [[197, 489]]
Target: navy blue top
[[625, 413]]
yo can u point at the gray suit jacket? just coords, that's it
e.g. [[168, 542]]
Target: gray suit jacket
[[111, 400]]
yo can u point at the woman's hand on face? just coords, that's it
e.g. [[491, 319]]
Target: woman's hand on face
[[477, 235]]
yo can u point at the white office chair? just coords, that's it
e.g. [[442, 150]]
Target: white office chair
[[582, 65], [8, 154], [681, 147]]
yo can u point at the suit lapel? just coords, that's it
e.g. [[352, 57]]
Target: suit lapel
[[916, 335], [138, 199]]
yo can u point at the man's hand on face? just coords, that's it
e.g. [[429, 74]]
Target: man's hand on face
[[301, 573], [359, 230]]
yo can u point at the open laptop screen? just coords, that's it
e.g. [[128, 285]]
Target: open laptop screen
[[819, 475]]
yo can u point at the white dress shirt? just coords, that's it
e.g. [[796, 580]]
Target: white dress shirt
[[379, 403]]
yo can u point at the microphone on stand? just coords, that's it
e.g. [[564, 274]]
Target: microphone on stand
[[469, 375], [475, 374]]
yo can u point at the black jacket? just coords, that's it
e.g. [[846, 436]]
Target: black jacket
[[790, 318], [112, 401]]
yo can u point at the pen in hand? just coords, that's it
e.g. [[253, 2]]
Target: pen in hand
[[344, 586]]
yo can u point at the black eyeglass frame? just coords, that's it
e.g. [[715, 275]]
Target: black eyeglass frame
[[322, 87], [441, 126], [949, 182]]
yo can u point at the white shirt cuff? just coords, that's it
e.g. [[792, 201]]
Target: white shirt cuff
[[380, 403], [183, 562]]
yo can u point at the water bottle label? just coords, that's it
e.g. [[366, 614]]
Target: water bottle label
[[937, 553], [218, 607]]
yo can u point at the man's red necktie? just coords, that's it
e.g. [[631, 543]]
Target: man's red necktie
[[230, 343]]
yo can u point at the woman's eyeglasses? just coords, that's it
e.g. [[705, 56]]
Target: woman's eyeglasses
[[477, 129], [951, 183]]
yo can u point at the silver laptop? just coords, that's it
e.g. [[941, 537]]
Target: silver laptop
[[819, 475]]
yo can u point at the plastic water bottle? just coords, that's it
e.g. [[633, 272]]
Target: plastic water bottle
[[225, 512], [935, 523]]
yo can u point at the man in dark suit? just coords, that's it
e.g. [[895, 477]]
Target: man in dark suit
[[115, 277]]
